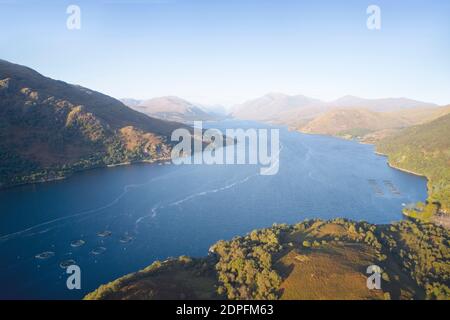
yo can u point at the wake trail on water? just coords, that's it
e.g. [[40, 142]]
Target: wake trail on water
[[126, 190], [204, 193], [152, 214], [154, 210], [26, 231]]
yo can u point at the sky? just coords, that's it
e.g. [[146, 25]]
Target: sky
[[228, 51]]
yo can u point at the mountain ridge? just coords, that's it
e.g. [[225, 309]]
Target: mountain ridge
[[272, 106], [50, 128], [172, 108], [380, 104], [352, 122], [297, 110]]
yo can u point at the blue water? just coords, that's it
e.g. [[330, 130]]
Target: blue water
[[174, 210]]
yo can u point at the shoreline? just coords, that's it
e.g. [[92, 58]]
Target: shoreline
[[129, 163], [375, 151], [390, 165], [153, 161], [407, 171], [399, 168]]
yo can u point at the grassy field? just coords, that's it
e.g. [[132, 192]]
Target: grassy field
[[332, 272]]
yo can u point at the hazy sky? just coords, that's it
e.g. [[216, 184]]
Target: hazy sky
[[227, 51]]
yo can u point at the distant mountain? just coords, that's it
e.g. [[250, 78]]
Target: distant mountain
[[173, 109], [369, 125], [352, 122], [380, 105], [297, 110], [214, 109], [424, 149], [276, 107], [130, 102], [49, 128]]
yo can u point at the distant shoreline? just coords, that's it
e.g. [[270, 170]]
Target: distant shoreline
[[383, 155], [129, 163], [376, 152]]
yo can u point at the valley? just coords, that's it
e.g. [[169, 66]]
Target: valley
[[51, 129], [324, 259]]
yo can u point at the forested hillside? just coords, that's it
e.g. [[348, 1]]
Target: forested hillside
[[424, 149], [313, 259]]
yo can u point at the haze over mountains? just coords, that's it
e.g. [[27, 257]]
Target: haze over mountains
[[297, 111], [50, 128], [130, 102], [173, 108], [278, 106], [347, 116], [380, 105], [348, 121]]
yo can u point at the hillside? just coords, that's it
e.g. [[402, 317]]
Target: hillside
[[424, 149], [420, 115], [366, 125], [352, 122], [172, 109], [411, 117], [313, 259], [49, 129]]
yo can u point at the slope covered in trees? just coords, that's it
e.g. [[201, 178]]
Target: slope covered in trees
[[424, 149], [313, 259]]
